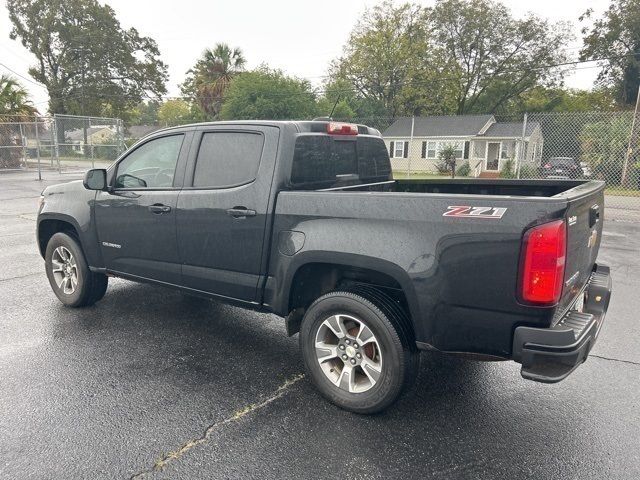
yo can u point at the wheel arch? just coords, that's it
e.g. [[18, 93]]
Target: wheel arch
[[49, 226], [317, 273]]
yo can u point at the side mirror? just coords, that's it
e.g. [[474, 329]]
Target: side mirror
[[95, 179]]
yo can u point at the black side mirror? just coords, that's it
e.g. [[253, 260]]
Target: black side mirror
[[95, 179]]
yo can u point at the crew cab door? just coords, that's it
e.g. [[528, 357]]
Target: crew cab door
[[223, 209], [136, 218]]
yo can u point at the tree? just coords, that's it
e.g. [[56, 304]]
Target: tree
[[15, 106], [461, 56], [379, 57], [209, 79], [268, 94], [174, 112], [447, 160], [615, 38], [85, 58], [496, 56], [603, 144], [542, 99]]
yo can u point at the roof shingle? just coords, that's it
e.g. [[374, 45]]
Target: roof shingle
[[438, 126]]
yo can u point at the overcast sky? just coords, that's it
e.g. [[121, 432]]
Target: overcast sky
[[300, 37]]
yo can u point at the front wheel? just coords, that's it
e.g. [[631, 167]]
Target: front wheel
[[358, 350], [69, 275]]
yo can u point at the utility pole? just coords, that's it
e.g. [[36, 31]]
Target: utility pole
[[633, 137]]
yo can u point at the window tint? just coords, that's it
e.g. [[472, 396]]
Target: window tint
[[152, 165], [319, 158], [373, 159], [228, 158], [561, 161]]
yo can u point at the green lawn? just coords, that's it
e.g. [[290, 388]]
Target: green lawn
[[416, 175], [622, 192]]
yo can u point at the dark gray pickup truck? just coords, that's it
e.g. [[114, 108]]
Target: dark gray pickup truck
[[303, 219]]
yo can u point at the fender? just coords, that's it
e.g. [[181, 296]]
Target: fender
[[278, 288], [86, 235]]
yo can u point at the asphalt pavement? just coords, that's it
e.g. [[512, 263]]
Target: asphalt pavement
[[152, 383]]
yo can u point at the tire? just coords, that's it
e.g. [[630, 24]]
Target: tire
[[336, 320], [69, 275]]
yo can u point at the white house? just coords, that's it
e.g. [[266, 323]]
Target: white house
[[414, 144]]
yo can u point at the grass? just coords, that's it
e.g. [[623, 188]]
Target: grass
[[622, 192], [416, 175]]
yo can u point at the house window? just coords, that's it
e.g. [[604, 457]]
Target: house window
[[432, 148], [398, 149], [508, 150]]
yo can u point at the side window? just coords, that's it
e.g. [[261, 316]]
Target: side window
[[226, 159], [151, 165]]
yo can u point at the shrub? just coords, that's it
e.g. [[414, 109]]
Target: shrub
[[464, 170], [508, 169]]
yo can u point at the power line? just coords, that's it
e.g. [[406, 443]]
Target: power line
[[22, 76]]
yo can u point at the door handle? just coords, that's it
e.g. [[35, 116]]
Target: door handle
[[241, 212], [159, 209]]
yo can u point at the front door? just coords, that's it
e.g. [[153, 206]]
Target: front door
[[223, 210], [493, 156], [136, 218]]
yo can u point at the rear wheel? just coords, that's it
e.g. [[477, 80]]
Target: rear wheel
[[357, 349], [69, 275]]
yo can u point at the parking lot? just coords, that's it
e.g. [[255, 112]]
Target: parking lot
[[152, 383]]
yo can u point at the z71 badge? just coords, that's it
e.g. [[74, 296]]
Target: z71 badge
[[494, 213]]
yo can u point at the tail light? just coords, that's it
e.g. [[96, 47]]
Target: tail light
[[543, 263], [548, 165], [335, 128]]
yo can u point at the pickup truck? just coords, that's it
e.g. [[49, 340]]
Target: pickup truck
[[303, 219]]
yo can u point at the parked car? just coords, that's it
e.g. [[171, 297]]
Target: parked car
[[304, 220], [564, 167]]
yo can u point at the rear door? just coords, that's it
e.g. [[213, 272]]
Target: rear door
[[223, 209], [136, 218]]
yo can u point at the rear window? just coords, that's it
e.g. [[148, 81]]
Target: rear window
[[562, 162], [319, 158]]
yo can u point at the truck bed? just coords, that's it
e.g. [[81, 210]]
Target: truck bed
[[461, 270]]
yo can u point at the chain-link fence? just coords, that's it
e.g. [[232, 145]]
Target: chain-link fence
[[583, 145], [63, 142], [589, 145]]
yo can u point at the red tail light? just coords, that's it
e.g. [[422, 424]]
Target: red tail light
[[342, 128], [548, 165], [543, 262]]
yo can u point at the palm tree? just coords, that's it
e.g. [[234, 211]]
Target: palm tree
[[14, 99], [210, 77], [15, 107]]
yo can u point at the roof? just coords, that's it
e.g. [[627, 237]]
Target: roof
[[510, 129], [439, 126], [78, 133], [139, 131]]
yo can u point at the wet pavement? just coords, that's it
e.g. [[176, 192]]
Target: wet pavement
[[152, 383]]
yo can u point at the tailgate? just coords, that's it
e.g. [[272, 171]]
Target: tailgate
[[584, 218]]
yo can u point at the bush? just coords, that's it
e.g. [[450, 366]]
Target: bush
[[508, 169], [443, 168], [464, 170]]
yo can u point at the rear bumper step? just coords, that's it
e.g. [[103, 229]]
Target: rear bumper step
[[549, 355]]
